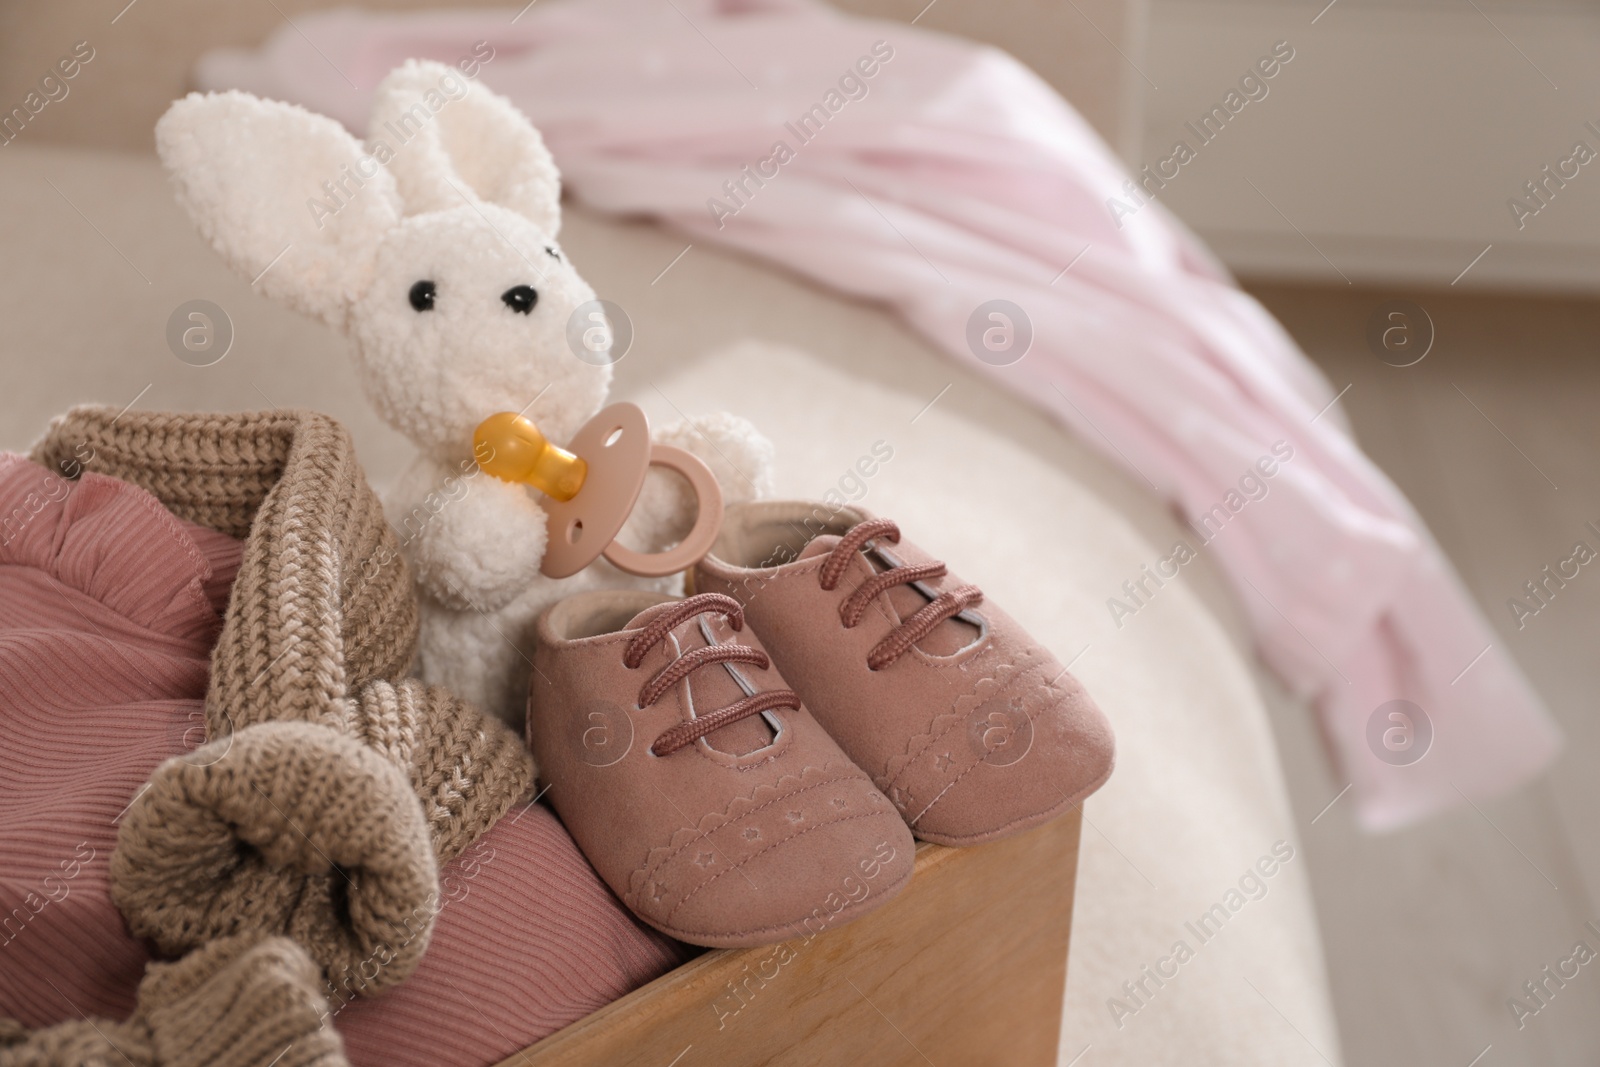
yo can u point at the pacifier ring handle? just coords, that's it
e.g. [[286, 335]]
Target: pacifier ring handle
[[617, 451], [698, 541]]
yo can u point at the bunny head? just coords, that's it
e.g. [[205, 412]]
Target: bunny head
[[433, 246]]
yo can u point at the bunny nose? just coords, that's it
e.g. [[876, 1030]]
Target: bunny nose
[[521, 298]]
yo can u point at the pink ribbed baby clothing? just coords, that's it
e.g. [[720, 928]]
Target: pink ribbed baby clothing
[[108, 609], [529, 940]]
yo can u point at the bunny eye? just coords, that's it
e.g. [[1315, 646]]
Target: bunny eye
[[422, 295], [519, 298], [552, 252]]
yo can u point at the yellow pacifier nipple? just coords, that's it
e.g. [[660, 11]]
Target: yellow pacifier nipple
[[517, 452], [582, 527]]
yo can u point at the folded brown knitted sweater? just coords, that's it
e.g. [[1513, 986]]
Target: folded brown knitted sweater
[[322, 625], [331, 786]]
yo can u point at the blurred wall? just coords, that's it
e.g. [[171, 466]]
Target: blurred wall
[[144, 52], [1392, 148]]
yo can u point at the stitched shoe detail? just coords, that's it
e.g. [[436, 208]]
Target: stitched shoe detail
[[695, 780], [976, 715], [724, 832], [969, 727]]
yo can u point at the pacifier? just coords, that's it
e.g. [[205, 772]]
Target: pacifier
[[593, 484]]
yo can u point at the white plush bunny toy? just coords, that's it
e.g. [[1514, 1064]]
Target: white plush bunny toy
[[433, 246]]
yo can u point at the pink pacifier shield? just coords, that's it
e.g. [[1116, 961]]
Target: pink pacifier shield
[[616, 446]]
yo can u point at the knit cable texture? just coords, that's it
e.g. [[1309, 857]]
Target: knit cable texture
[[466, 767], [322, 625], [323, 601], [331, 787], [284, 827], [238, 1002]]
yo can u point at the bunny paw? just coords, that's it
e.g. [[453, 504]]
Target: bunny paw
[[737, 453], [481, 550], [739, 457]]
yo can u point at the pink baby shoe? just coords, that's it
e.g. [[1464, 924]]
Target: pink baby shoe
[[691, 776], [973, 730]]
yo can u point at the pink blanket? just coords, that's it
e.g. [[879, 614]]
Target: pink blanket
[[933, 175]]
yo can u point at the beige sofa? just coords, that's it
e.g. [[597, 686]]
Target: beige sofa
[[97, 256]]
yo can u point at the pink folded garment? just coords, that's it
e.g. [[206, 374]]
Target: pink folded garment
[[109, 606], [108, 610], [529, 940]]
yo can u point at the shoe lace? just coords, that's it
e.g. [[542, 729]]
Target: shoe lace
[[656, 630], [947, 604]]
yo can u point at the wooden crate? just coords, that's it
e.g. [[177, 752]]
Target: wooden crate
[[966, 967]]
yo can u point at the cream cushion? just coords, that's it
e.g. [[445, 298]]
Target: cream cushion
[[1043, 524]]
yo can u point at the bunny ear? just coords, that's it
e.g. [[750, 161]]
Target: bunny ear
[[445, 139], [288, 198]]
